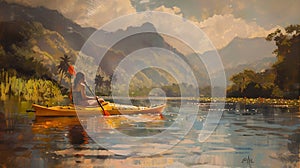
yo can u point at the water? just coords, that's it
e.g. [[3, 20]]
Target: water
[[268, 139]]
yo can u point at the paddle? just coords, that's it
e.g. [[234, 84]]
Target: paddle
[[104, 112]]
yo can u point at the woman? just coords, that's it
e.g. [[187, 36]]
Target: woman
[[79, 93]]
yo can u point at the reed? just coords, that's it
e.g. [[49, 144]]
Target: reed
[[36, 90]]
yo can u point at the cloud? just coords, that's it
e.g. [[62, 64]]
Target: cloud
[[174, 10], [86, 13], [144, 1], [222, 29], [266, 13], [106, 11]]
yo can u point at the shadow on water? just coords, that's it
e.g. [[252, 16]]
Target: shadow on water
[[8, 114], [77, 136], [294, 143]]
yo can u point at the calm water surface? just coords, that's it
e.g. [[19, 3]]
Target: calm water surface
[[268, 139]]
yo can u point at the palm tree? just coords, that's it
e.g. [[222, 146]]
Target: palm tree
[[98, 82], [63, 67]]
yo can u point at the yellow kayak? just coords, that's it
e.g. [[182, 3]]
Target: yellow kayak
[[111, 108]]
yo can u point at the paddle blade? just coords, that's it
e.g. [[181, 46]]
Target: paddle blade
[[161, 116], [106, 113]]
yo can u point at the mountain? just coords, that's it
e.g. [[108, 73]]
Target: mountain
[[61, 35], [239, 54], [135, 43], [70, 36], [52, 20], [255, 54], [246, 51], [257, 66], [26, 44]]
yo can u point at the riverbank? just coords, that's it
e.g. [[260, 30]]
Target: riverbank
[[269, 101]]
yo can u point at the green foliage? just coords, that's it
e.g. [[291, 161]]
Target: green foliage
[[103, 87], [30, 49], [64, 66], [243, 79], [26, 66], [277, 92], [173, 90], [283, 80], [15, 49], [251, 84], [287, 66], [139, 91], [37, 90]]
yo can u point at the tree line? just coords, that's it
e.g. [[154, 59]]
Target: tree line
[[282, 80]]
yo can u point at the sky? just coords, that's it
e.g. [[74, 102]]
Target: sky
[[221, 20]]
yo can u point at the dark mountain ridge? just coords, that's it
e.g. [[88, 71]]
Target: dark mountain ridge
[[74, 34], [239, 53]]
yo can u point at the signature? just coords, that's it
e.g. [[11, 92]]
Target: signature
[[247, 160]]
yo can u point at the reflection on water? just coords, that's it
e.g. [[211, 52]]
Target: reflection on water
[[77, 135], [271, 138]]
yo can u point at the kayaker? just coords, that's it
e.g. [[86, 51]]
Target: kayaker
[[79, 92]]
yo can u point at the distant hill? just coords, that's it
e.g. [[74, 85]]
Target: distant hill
[[239, 54], [255, 54], [73, 33], [257, 66], [22, 41], [134, 43], [246, 51]]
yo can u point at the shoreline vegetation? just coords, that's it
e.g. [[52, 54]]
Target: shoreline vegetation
[[282, 80], [48, 92], [35, 90], [247, 101]]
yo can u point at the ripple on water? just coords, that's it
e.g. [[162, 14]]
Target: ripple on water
[[270, 140]]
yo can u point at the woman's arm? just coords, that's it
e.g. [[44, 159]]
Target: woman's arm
[[85, 97], [83, 93]]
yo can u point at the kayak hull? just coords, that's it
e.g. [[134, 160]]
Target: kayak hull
[[71, 111]]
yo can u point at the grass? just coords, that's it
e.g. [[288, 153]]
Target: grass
[[35, 90]]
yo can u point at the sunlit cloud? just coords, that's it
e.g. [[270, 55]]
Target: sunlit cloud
[[106, 11], [174, 10], [92, 13], [221, 28], [144, 1]]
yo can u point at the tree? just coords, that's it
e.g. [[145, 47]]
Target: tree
[[103, 86], [287, 66], [98, 81], [251, 84], [242, 79], [63, 67], [283, 79]]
